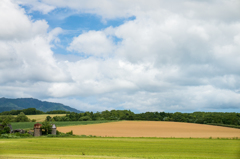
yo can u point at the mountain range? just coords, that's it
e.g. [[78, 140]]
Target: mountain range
[[7, 104]]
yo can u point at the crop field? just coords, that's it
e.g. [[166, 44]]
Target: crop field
[[153, 129], [29, 125], [42, 117], [39, 117], [165, 148]]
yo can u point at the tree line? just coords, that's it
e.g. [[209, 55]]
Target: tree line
[[214, 118], [33, 111], [195, 117]]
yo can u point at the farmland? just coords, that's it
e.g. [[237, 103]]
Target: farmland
[[153, 129], [42, 117], [38, 118], [119, 148], [127, 139]]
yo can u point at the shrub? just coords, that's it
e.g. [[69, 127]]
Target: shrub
[[58, 132], [22, 135], [85, 118], [46, 127], [70, 132], [9, 136], [34, 120], [48, 118], [5, 130], [22, 118]]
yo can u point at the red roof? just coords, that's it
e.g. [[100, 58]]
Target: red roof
[[37, 125]]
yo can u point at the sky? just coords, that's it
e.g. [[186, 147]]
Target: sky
[[96, 55]]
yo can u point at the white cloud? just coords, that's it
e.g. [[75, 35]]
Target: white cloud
[[226, 10], [175, 56], [36, 5], [17, 25], [92, 43], [26, 50]]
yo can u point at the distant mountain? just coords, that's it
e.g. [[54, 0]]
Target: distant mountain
[[23, 103]]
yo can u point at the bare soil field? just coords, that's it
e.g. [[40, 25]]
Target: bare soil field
[[153, 129]]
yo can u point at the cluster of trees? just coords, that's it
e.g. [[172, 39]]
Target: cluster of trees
[[33, 111], [87, 116], [28, 111], [57, 112], [4, 127], [21, 117], [195, 117]]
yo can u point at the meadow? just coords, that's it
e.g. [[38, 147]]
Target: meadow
[[165, 148]]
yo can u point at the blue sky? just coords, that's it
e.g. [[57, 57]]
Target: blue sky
[[73, 24], [139, 55]]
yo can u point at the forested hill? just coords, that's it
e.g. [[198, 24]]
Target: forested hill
[[23, 103]]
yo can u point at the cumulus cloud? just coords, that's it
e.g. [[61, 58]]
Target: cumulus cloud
[[26, 55], [92, 43], [17, 25], [181, 57]]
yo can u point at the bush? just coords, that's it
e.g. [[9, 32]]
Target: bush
[[34, 120], [85, 118], [70, 132], [58, 132], [22, 118], [57, 118], [5, 130], [48, 118], [9, 136], [46, 127], [22, 135]]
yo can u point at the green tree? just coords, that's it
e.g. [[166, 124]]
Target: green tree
[[46, 127], [22, 118], [85, 118], [48, 118], [5, 128]]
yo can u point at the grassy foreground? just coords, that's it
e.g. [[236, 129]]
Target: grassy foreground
[[29, 125], [168, 148]]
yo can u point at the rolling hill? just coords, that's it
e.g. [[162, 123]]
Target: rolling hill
[[7, 104]]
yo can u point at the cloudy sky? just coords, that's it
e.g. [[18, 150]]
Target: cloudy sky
[[142, 55]]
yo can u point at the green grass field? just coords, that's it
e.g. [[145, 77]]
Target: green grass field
[[29, 125], [168, 148]]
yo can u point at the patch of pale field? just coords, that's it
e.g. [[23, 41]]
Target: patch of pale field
[[153, 129], [41, 156], [42, 117]]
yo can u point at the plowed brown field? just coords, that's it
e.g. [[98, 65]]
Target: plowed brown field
[[153, 129]]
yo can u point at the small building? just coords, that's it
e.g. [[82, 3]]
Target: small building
[[54, 129], [37, 129]]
